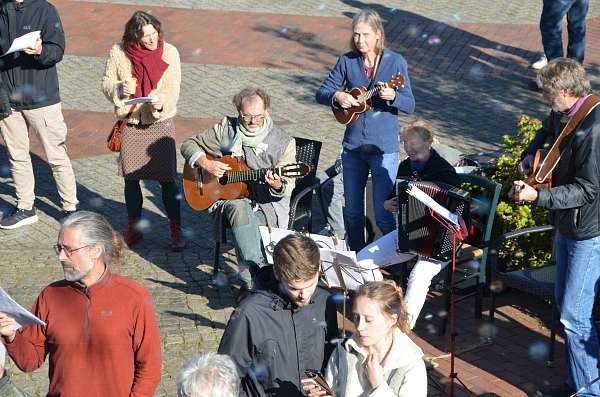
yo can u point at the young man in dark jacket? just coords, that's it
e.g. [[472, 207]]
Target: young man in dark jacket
[[283, 328], [574, 204], [32, 82]]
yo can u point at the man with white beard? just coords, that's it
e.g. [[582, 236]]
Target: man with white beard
[[101, 334]]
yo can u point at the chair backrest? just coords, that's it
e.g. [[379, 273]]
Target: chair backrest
[[485, 194], [307, 151]]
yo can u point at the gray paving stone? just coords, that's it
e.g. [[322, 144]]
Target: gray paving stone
[[464, 11]]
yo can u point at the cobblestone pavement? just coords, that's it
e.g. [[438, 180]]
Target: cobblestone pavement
[[468, 62]]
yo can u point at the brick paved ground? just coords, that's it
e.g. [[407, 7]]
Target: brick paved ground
[[468, 63]]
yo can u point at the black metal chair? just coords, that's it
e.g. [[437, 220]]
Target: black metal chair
[[535, 281], [307, 151], [485, 194]]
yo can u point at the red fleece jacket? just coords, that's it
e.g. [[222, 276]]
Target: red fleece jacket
[[102, 340]]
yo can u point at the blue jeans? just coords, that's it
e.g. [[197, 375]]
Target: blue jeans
[[383, 167], [332, 193], [577, 275], [551, 21]]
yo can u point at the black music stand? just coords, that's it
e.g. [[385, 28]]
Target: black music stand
[[457, 233]]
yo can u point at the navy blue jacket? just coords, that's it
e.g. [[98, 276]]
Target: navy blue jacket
[[379, 126]]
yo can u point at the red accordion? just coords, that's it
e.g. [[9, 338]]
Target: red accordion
[[419, 229]]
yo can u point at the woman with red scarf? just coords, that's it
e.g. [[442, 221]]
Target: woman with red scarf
[[143, 65]]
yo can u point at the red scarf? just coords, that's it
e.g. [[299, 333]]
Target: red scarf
[[148, 67]]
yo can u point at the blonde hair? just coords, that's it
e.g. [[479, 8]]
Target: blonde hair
[[422, 129], [390, 298], [373, 20]]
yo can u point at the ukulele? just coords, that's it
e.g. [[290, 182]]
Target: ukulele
[[202, 189], [350, 115]]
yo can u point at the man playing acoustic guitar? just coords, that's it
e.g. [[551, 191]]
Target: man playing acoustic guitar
[[254, 137], [573, 131]]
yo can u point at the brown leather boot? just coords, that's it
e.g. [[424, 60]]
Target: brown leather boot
[[133, 235], [177, 241]]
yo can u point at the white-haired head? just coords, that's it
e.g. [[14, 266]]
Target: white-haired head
[[208, 375]]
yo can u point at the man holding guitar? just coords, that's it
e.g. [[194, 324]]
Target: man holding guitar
[[573, 131], [377, 80], [253, 137]]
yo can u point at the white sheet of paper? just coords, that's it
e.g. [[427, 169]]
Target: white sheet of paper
[[270, 239], [22, 42], [21, 315], [140, 99], [431, 203], [2, 355], [353, 272]]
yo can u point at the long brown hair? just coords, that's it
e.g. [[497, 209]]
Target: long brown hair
[[390, 298], [133, 33]]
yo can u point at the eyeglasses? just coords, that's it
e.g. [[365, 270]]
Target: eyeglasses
[[68, 251], [248, 118]]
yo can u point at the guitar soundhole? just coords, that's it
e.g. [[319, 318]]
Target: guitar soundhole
[[223, 180]]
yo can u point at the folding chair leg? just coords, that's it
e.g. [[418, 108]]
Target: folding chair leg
[[216, 258], [492, 305], [550, 362], [447, 292], [478, 301]]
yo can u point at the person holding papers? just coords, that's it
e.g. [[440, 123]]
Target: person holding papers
[[144, 65], [101, 335], [423, 164], [380, 359], [31, 79]]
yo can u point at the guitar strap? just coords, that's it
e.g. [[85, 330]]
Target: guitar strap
[[553, 156], [375, 69]]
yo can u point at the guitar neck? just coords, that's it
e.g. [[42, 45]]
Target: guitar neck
[[369, 94], [249, 175]]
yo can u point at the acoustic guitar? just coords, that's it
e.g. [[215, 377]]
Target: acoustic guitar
[[202, 189], [350, 115], [544, 161], [535, 180]]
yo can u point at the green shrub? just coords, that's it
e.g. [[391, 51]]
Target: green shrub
[[531, 250]]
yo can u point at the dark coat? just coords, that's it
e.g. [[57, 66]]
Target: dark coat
[[32, 79], [436, 170], [273, 342], [573, 201]]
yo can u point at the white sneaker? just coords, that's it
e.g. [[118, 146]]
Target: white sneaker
[[540, 63]]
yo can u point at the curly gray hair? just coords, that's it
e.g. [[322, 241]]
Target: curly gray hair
[[208, 375]]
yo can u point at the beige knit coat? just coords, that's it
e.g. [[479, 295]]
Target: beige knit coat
[[118, 68]]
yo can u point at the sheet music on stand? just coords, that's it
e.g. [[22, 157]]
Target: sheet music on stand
[[271, 236], [340, 270], [431, 203]]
